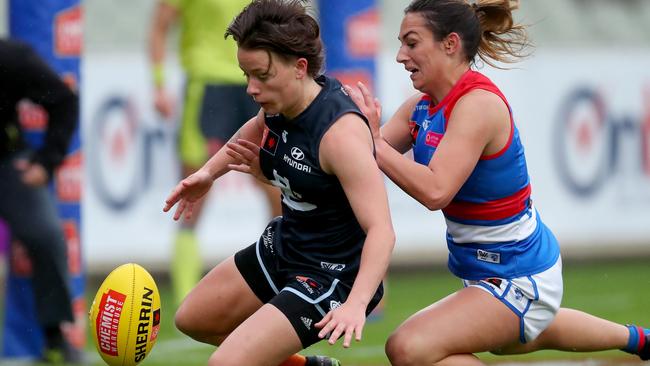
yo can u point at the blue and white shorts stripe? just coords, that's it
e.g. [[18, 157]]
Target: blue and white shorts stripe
[[534, 298]]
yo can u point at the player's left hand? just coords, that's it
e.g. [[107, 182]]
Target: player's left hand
[[347, 320], [247, 155], [369, 106]]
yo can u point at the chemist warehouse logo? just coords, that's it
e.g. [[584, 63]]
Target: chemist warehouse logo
[[108, 321]]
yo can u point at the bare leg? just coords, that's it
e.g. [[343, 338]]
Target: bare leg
[[217, 305], [266, 338], [451, 330], [576, 331]]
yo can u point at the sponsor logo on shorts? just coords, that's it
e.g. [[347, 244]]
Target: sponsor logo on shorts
[[494, 281], [309, 284], [334, 304], [108, 321], [306, 321], [518, 294], [485, 256], [332, 266], [267, 239]]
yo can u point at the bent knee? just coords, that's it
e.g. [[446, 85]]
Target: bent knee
[[184, 321], [187, 322], [191, 324], [405, 350]]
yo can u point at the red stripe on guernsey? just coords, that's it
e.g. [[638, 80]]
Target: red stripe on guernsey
[[499, 209]]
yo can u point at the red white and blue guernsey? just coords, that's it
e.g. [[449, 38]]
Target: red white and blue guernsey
[[493, 230]]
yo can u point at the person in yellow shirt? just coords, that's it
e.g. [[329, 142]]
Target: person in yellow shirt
[[215, 104]]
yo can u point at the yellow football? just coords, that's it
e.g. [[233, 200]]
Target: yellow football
[[125, 316]]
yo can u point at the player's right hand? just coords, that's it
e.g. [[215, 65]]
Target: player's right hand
[[247, 157], [187, 192], [369, 106]]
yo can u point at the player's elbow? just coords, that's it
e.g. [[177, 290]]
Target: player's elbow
[[436, 200]]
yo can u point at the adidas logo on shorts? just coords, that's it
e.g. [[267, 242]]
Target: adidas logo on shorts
[[306, 321]]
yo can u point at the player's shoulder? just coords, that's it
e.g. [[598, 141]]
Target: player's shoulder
[[485, 101], [346, 124]]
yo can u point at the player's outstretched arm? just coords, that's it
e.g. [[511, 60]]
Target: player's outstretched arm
[[187, 192], [196, 185]]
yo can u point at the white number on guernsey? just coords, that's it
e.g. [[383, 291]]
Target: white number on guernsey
[[289, 197]]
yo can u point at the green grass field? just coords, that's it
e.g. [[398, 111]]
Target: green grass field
[[619, 291]]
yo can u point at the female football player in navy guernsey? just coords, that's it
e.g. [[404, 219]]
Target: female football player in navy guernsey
[[469, 163], [321, 262]]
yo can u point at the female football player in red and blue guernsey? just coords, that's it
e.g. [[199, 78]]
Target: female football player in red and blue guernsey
[[469, 163], [323, 260]]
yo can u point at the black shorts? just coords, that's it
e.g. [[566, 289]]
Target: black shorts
[[224, 109], [304, 296]]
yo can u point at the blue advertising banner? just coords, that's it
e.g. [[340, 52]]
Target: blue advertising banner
[[54, 29], [350, 31]]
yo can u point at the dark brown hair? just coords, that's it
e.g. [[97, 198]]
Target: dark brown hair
[[282, 27], [486, 27]]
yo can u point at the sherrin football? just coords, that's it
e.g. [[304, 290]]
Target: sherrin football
[[125, 316]]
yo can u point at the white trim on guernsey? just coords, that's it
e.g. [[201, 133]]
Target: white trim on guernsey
[[514, 231]]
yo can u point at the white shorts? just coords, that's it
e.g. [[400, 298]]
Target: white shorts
[[535, 298]]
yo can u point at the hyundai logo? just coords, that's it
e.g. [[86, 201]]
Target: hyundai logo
[[297, 154]]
